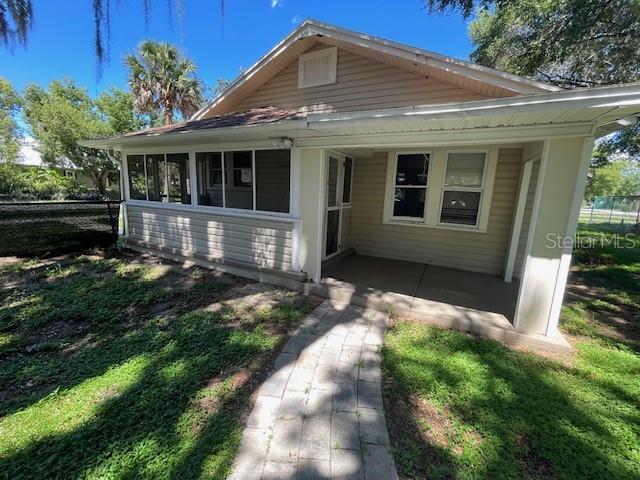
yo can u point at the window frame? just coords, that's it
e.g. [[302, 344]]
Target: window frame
[[435, 188], [394, 186], [195, 206], [444, 188]]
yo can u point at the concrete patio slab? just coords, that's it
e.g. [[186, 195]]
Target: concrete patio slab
[[472, 302]]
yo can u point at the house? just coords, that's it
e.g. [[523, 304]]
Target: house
[[455, 184], [29, 157]]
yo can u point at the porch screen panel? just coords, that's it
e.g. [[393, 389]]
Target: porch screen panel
[[137, 180], [178, 185], [272, 174], [410, 189], [155, 175], [209, 168], [238, 190], [348, 172], [332, 185]]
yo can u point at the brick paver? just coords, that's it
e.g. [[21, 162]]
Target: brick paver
[[320, 414]]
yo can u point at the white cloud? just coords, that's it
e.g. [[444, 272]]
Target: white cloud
[[296, 19], [276, 3]]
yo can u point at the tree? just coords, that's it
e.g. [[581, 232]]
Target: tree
[[620, 177], [16, 18], [64, 114], [9, 131], [118, 111], [570, 43], [163, 79]]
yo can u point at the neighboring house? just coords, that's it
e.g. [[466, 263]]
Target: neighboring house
[[337, 140], [28, 156]]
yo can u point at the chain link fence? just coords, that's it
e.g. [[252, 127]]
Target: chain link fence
[[619, 210], [40, 229]]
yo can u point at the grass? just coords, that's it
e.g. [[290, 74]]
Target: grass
[[119, 368], [463, 407]]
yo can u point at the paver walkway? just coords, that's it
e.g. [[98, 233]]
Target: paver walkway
[[319, 414]]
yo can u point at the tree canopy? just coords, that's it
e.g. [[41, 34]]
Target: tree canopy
[[62, 115], [9, 132], [620, 177]]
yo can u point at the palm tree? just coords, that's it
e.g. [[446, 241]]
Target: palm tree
[[163, 80]]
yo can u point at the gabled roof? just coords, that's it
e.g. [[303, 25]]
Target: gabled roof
[[464, 74]]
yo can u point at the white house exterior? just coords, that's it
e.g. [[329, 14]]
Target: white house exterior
[[337, 140]]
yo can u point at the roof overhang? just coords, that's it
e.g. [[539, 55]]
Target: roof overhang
[[421, 61], [597, 111]]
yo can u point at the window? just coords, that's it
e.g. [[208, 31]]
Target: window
[[257, 180], [272, 180], [210, 178], [159, 177], [318, 67], [178, 185], [462, 188], [154, 163], [137, 181], [410, 185], [248, 180], [348, 173], [238, 191]]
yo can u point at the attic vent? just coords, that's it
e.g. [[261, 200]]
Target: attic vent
[[317, 68]]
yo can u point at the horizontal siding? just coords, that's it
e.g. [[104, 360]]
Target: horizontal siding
[[473, 251], [257, 242], [361, 84], [526, 220]]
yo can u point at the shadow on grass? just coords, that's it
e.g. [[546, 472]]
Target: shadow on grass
[[148, 383], [508, 414]]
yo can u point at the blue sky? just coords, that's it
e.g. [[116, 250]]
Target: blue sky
[[61, 42]]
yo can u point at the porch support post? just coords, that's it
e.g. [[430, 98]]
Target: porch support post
[[193, 179], [123, 220], [563, 173], [294, 207], [312, 174]]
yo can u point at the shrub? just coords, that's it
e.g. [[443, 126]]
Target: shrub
[[35, 183]]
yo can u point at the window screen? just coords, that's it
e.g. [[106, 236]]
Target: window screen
[[238, 190], [209, 172], [272, 180]]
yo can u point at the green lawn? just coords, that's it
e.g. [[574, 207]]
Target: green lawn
[[121, 368], [462, 407]]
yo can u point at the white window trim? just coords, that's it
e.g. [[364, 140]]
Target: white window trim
[[480, 189], [435, 189], [332, 53], [194, 205]]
